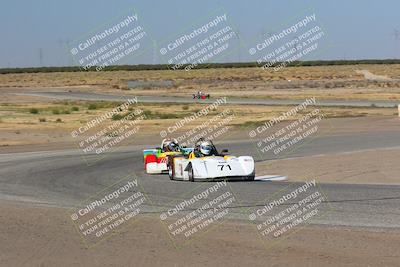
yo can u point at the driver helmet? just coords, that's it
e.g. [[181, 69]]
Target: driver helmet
[[206, 147], [171, 146]]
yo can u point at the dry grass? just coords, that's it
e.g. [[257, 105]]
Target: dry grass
[[19, 126]]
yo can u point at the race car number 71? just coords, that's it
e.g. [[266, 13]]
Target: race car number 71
[[223, 165]]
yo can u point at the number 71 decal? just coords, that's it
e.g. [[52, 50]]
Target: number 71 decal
[[222, 166]]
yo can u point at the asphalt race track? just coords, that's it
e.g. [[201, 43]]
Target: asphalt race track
[[62, 178]]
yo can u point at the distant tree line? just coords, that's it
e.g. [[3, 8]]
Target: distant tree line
[[200, 66]]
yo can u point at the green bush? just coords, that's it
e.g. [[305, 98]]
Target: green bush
[[55, 111], [117, 117], [165, 116], [147, 113], [92, 106], [75, 109], [34, 111]]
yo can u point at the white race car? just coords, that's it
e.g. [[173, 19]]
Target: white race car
[[216, 166]]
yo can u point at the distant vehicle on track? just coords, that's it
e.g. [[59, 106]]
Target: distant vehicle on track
[[201, 95]]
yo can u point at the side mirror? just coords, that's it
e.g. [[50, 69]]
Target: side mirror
[[224, 151]]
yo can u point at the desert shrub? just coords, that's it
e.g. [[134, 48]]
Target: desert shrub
[[42, 119], [92, 106], [117, 117], [34, 111], [165, 116], [147, 113]]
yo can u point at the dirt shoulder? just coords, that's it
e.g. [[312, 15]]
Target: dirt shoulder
[[43, 236], [378, 166]]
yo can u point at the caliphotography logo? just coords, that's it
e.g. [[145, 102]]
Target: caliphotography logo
[[199, 133]]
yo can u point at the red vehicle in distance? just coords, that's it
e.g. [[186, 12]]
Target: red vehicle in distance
[[201, 95]]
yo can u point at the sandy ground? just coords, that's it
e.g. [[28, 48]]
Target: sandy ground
[[370, 76], [364, 167], [376, 166], [44, 236]]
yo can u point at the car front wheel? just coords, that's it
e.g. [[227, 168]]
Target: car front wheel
[[190, 172]]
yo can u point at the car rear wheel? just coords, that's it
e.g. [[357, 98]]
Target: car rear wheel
[[171, 168]]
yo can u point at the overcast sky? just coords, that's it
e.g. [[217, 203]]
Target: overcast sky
[[41, 32]]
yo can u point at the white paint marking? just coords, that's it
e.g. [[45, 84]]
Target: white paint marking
[[270, 178]]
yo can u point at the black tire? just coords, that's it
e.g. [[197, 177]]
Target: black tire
[[171, 172], [251, 177], [190, 172], [171, 168]]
